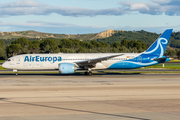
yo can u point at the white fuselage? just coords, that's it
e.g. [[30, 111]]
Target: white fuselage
[[51, 61]]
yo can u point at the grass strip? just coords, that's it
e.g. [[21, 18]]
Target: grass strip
[[174, 61], [1, 68], [1, 61], [167, 66]]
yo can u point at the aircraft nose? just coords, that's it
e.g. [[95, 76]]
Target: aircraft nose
[[3, 65]]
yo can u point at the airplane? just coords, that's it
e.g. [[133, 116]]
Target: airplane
[[71, 62]]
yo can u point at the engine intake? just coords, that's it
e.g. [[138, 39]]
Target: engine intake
[[66, 68]]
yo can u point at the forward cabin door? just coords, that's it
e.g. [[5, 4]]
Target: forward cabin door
[[18, 60]]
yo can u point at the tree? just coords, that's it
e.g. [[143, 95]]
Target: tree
[[88, 45], [22, 45], [13, 49], [131, 44], [138, 44], [124, 49], [2, 51], [63, 50], [103, 44], [178, 54], [124, 42], [66, 43], [95, 43], [49, 46], [82, 50], [116, 45], [34, 46], [171, 53], [22, 41]]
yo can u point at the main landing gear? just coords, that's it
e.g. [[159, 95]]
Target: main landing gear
[[88, 73]]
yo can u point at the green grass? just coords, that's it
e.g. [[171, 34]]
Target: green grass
[[1, 68], [145, 72], [1, 61], [174, 61], [136, 72], [168, 66]]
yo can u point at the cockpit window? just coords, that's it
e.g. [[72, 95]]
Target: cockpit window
[[9, 60]]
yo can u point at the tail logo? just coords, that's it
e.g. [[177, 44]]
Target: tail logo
[[160, 43]]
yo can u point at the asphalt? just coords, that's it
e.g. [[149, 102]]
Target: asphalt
[[109, 96]]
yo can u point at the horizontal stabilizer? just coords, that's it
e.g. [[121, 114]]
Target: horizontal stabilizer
[[162, 58]]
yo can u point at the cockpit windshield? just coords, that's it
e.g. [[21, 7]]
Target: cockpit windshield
[[9, 60]]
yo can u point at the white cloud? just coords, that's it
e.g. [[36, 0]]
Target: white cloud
[[156, 7], [138, 6], [31, 7], [57, 27], [135, 5], [26, 7], [161, 1], [22, 3], [50, 27]]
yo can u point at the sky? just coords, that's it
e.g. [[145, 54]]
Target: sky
[[89, 16]]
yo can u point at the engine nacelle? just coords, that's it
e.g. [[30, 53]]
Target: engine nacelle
[[66, 68]]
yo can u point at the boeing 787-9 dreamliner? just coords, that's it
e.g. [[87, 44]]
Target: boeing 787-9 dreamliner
[[70, 63]]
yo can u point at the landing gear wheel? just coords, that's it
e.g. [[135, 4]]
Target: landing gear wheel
[[88, 73], [16, 72]]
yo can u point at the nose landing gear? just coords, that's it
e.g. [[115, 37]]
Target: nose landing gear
[[16, 72]]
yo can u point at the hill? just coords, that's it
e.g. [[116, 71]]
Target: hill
[[109, 36], [144, 36], [40, 35]]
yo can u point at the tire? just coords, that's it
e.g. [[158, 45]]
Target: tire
[[90, 73], [85, 73]]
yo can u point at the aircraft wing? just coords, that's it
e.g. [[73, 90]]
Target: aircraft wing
[[92, 62]]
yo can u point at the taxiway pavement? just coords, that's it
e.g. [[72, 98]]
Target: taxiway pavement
[[97, 97]]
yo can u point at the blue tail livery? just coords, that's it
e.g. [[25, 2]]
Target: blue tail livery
[[159, 46], [153, 55]]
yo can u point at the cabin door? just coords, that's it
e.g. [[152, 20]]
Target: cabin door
[[18, 60]]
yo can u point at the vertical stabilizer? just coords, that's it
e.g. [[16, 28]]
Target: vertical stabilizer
[[159, 46]]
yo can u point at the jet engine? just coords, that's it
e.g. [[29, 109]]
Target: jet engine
[[66, 68]]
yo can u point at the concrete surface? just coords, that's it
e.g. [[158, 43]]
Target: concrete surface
[[98, 97]]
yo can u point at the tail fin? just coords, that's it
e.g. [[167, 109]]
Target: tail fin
[[159, 46]]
